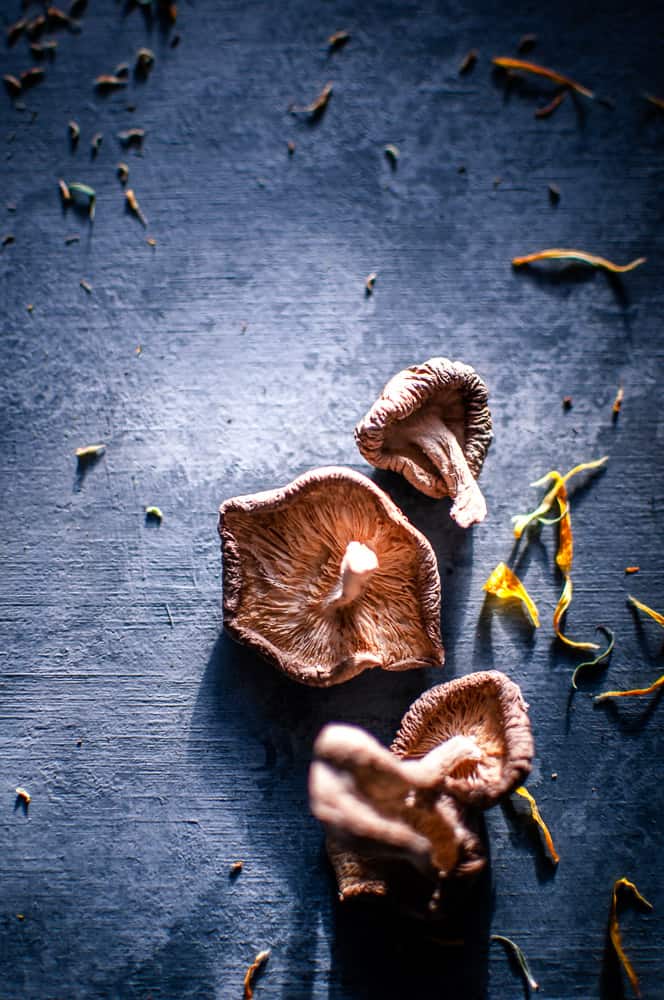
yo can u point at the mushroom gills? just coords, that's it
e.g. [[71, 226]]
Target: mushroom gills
[[437, 448]]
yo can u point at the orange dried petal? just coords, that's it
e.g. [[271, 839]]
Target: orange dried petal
[[614, 929], [504, 583], [634, 692], [581, 256], [506, 62], [537, 818], [655, 615]]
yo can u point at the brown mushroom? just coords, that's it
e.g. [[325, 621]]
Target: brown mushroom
[[485, 707], [326, 578], [377, 809], [432, 423]]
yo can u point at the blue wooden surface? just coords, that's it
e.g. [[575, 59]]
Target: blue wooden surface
[[155, 750]]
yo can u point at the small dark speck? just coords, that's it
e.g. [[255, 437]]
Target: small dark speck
[[175, 41], [229, 420], [79, 743], [461, 169]]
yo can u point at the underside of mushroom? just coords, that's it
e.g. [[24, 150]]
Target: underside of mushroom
[[326, 577], [432, 424], [486, 707], [378, 809]]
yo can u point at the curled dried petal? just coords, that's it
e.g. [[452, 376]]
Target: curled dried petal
[[521, 521], [598, 659], [581, 257], [537, 818], [504, 583], [515, 950], [655, 615], [505, 62], [635, 692], [261, 959], [614, 928]]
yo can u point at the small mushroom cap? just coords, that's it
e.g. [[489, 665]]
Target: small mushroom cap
[[412, 404], [486, 706], [375, 807], [285, 560]]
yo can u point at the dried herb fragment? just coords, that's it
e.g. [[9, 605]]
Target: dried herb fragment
[[23, 795], [74, 131], [393, 153], [65, 193], [9, 238], [614, 928], [468, 61], [526, 43], [578, 255], [89, 452], [154, 513], [40, 49], [107, 81], [122, 70], [261, 959], [521, 521], [632, 569], [151, 241], [634, 692], [15, 30], [96, 142], [646, 610], [236, 868], [537, 818], [554, 193], [338, 40], [518, 954], [134, 206], [31, 76], [123, 172], [618, 401], [74, 238], [369, 283], [132, 136], [568, 402], [599, 658], [12, 84], [555, 102], [86, 286], [505, 62], [144, 60], [291, 147], [85, 191], [36, 26], [658, 102], [317, 106], [504, 583]]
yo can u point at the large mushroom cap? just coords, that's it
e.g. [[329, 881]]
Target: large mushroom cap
[[432, 423], [488, 708], [378, 808], [326, 577]]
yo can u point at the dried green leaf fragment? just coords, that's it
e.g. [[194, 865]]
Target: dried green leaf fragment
[[518, 954], [154, 513], [599, 658], [85, 191]]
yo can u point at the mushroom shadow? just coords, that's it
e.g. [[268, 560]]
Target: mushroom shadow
[[452, 545], [381, 953]]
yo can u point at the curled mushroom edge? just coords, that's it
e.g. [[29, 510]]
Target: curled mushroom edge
[[432, 423]]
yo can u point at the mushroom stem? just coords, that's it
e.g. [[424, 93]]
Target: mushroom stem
[[357, 567], [430, 770], [442, 448]]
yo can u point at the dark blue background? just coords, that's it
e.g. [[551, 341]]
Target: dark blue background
[[155, 754]]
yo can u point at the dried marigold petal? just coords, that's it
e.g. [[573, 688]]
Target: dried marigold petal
[[537, 818], [618, 401], [317, 106], [635, 692], [506, 62], [614, 928], [655, 615], [556, 253], [504, 583], [521, 521], [632, 569], [261, 959]]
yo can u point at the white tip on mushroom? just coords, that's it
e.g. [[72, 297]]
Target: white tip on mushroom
[[357, 567]]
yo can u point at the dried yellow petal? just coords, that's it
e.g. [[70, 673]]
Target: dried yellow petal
[[521, 521], [261, 959], [633, 693], [581, 257], [24, 795], [506, 62], [537, 818], [504, 583], [655, 615], [614, 929], [90, 451], [155, 513]]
